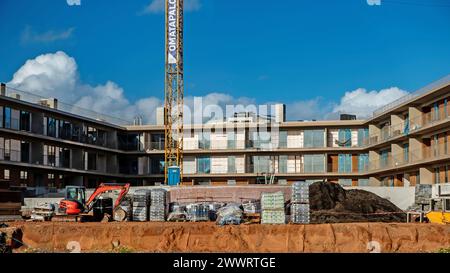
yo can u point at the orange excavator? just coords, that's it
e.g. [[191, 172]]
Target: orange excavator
[[74, 203]]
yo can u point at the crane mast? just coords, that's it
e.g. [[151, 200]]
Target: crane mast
[[174, 88]]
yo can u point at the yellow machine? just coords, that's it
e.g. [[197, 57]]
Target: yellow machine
[[441, 215]]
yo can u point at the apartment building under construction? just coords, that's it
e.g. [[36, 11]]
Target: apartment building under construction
[[46, 145]]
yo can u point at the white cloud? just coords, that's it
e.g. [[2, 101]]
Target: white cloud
[[158, 6], [56, 75], [362, 102], [30, 36], [73, 2]]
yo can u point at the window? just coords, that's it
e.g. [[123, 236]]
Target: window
[[405, 152], [261, 139], [345, 138], [314, 163], [51, 127], [7, 117], [51, 176], [363, 136], [6, 174], [345, 182], [231, 140], [436, 111], [445, 108], [7, 153], [205, 141], [231, 164], [363, 182], [261, 164], [446, 174], [204, 165], [406, 125], [436, 145], [384, 158], [65, 129], [363, 162], [23, 175], [437, 178], [24, 152], [25, 121], [345, 163], [282, 139], [282, 164], [51, 155], [314, 138]]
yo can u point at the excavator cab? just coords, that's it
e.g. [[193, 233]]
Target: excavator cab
[[74, 201]]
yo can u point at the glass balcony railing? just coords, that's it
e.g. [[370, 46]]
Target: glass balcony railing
[[413, 156]]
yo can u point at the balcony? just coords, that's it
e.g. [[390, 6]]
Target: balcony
[[397, 160]]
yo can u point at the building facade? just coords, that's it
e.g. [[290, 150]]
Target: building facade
[[46, 145]]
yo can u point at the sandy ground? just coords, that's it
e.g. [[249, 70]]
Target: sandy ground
[[208, 237]]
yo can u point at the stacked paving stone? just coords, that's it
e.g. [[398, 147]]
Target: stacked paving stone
[[300, 210], [157, 205], [272, 205], [141, 201]]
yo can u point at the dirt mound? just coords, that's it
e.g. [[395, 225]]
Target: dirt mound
[[330, 203], [209, 237]]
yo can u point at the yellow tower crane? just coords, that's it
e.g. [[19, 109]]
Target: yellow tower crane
[[174, 93]]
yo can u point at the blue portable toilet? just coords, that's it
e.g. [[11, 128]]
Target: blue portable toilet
[[173, 175]]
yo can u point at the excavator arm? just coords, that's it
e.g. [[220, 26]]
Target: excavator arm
[[106, 187]]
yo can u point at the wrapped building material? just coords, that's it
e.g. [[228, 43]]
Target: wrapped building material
[[300, 213], [270, 216], [197, 212], [141, 200], [272, 200], [300, 192], [272, 205], [177, 214], [252, 206], [157, 210], [300, 210], [231, 214]]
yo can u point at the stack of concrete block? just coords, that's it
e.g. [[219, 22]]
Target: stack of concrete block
[[300, 210], [157, 205], [272, 205], [141, 201], [127, 205]]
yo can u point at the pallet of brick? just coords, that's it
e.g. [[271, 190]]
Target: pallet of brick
[[272, 200], [273, 217], [300, 213], [300, 192]]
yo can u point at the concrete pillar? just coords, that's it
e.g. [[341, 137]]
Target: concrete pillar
[[426, 176], [415, 149], [374, 133], [2, 89], [374, 160], [415, 118], [397, 125], [374, 181], [397, 154]]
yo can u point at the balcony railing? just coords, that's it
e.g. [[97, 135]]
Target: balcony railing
[[403, 128], [413, 156]]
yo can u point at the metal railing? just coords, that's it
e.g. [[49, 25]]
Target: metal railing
[[65, 107], [441, 82]]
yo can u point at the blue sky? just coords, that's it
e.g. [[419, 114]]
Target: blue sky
[[287, 51]]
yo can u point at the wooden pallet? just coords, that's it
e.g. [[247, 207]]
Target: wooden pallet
[[252, 218]]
